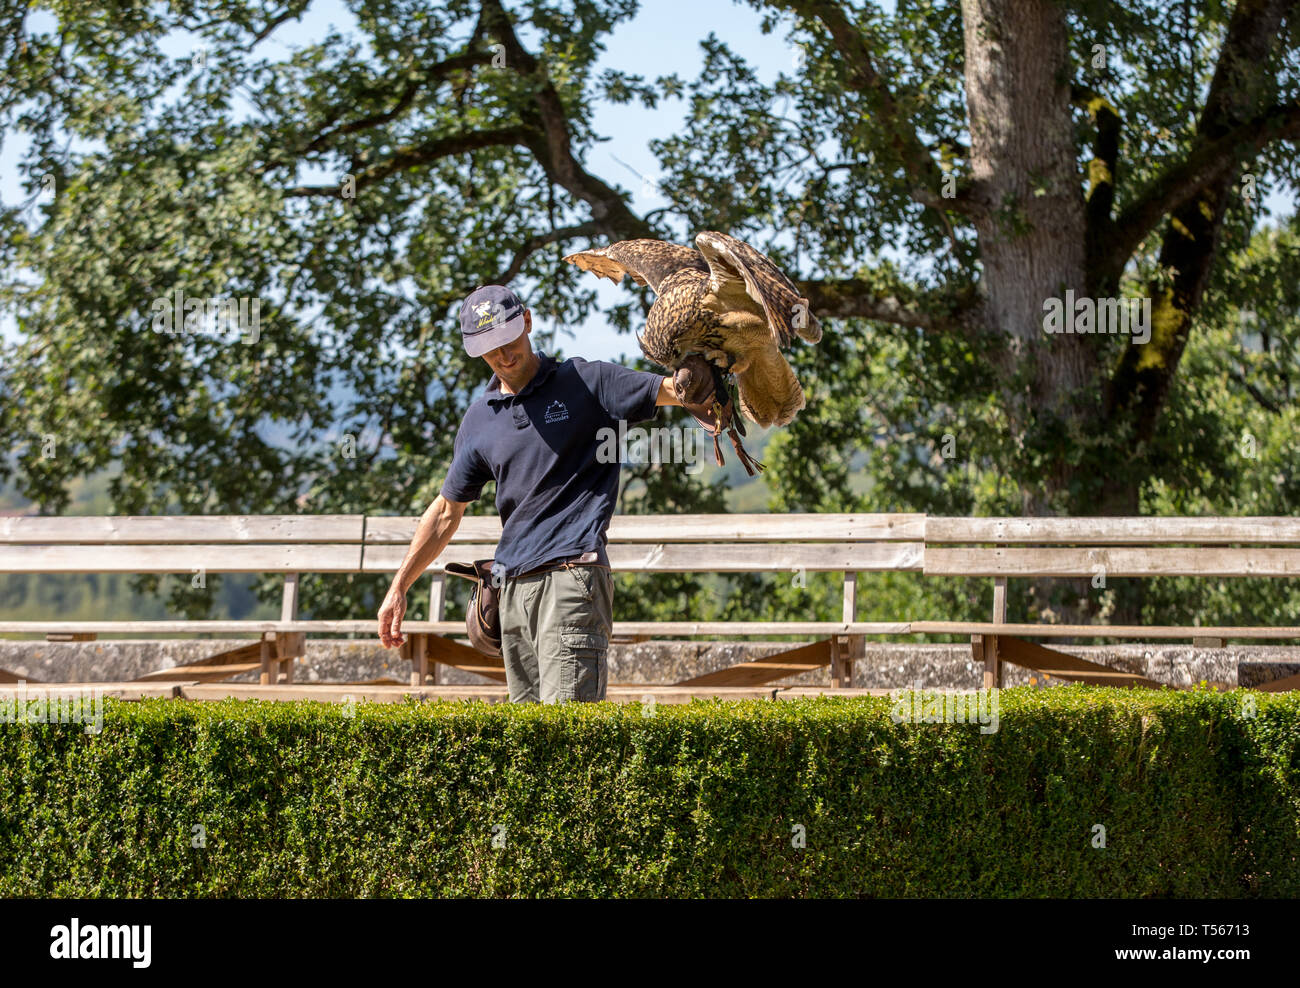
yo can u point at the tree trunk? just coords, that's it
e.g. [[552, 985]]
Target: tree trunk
[[1032, 239], [1032, 225]]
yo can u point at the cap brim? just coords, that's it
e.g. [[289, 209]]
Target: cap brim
[[497, 336]]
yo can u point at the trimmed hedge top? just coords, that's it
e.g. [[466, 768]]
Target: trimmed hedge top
[[1080, 791]]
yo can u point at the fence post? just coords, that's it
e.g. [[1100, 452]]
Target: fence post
[[844, 648], [992, 661], [416, 649], [841, 661], [287, 643], [266, 677], [437, 612]]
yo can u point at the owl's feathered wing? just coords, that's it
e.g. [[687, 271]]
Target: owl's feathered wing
[[742, 278], [678, 275], [649, 262], [725, 301]]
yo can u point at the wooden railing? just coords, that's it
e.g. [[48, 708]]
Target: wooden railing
[[996, 548]]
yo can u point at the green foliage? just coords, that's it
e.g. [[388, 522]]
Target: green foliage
[[221, 178], [350, 399], [1197, 797]]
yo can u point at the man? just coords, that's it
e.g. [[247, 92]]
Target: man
[[534, 430]]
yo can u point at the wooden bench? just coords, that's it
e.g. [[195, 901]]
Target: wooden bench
[[1029, 548], [190, 545], [743, 543], [1002, 549], [296, 544]]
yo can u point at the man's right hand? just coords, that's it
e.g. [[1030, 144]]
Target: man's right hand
[[390, 619], [433, 533]]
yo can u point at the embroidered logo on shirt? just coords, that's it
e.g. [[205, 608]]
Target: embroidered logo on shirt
[[557, 412]]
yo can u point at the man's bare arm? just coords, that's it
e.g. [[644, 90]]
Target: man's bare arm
[[667, 393], [435, 530]]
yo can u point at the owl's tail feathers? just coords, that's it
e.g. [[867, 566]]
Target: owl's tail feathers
[[768, 391]]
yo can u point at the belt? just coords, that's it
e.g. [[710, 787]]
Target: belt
[[586, 559]]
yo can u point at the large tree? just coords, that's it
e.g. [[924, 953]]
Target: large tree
[[932, 177]]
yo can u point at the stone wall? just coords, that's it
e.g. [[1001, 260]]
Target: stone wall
[[886, 665]]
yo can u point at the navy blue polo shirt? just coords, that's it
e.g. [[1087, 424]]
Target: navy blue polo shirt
[[554, 496]]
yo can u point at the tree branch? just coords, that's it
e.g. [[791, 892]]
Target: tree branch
[[1208, 163], [855, 297], [1101, 179], [540, 240], [1264, 401], [1197, 195], [422, 154], [925, 175], [544, 131], [550, 139], [431, 77], [292, 11]]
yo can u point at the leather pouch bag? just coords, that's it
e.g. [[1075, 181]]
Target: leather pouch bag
[[482, 617]]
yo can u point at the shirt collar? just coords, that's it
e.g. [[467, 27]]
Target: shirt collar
[[546, 366]]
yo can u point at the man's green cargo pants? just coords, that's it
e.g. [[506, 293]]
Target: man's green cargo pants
[[555, 629]]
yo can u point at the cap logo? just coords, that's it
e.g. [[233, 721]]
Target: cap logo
[[491, 317]]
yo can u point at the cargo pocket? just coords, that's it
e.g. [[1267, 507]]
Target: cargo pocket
[[583, 577], [583, 652]]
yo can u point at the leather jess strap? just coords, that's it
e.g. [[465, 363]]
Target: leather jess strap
[[703, 389]]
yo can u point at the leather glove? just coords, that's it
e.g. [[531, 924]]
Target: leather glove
[[703, 392], [702, 389]]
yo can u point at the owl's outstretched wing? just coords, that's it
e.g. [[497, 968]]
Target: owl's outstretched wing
[[649, 262], [741, 277]]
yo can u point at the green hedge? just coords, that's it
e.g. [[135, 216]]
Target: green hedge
[[1197, 797]]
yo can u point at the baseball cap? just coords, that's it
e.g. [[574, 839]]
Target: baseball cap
[[490, 317]]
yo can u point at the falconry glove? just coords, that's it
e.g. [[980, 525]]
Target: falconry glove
[[703, 390]]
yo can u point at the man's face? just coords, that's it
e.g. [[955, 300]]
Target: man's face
[[507, 361]]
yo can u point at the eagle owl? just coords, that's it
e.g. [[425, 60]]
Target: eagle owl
[[723, 309]]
